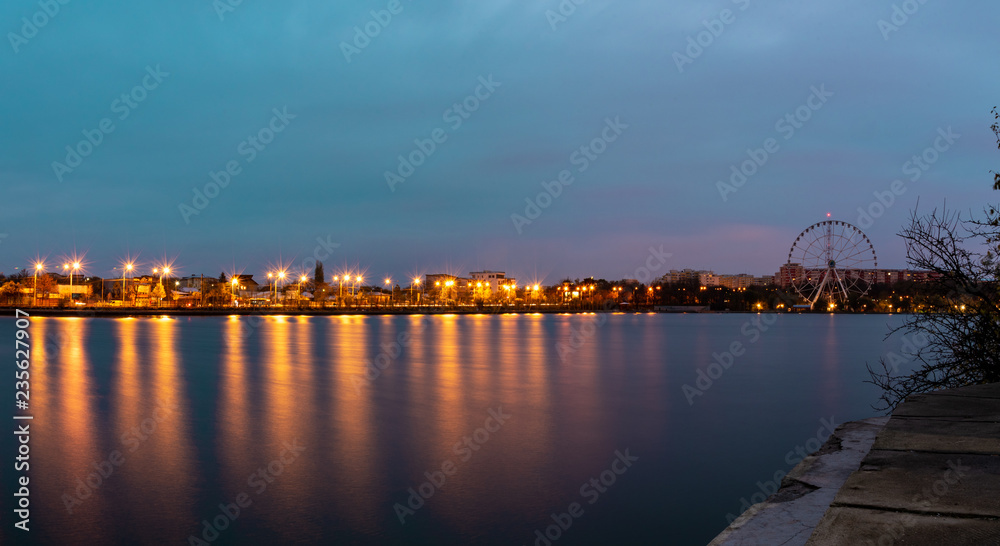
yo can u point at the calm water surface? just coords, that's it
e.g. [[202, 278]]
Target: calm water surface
[[183, 415]]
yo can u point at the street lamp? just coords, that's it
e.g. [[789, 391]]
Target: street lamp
[[447, 285], [234, 282], [166, 271], [161, 271], [281, 276], [38, 267], [388, 284], [126, 270], [75, 266], [302, 279]]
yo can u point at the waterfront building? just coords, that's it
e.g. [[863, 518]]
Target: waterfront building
[[495, 279]]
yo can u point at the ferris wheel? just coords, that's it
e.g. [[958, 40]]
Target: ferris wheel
[[832, 259]]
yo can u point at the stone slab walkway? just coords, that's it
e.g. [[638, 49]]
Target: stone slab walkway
[[932, 476]]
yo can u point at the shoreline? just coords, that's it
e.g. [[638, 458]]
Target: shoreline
[[227, 312], [891, 479], [115, 312]]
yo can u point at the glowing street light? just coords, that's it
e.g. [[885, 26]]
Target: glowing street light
[[533, 294], [416, 281], [357, 279], [234, 282], [38, 267], [447, 287], [165, 270], [126, 270], [72, 271]]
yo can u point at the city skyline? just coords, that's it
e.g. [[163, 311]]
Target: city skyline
[[425, 147], [323, 251], [291, 274]]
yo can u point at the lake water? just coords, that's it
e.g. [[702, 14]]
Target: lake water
[[144, 427]]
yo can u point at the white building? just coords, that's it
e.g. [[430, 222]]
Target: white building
[[496, 279]]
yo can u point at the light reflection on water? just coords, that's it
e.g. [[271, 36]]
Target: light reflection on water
[[199, 406]]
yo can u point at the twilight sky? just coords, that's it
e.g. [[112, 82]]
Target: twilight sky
[[312, 117]]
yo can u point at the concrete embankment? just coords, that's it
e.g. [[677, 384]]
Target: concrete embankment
[[790, 515], [292, 311], [929, 475]]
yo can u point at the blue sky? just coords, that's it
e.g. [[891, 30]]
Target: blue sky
[[556, 82]]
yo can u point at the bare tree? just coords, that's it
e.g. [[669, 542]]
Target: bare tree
[[960, 328]]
